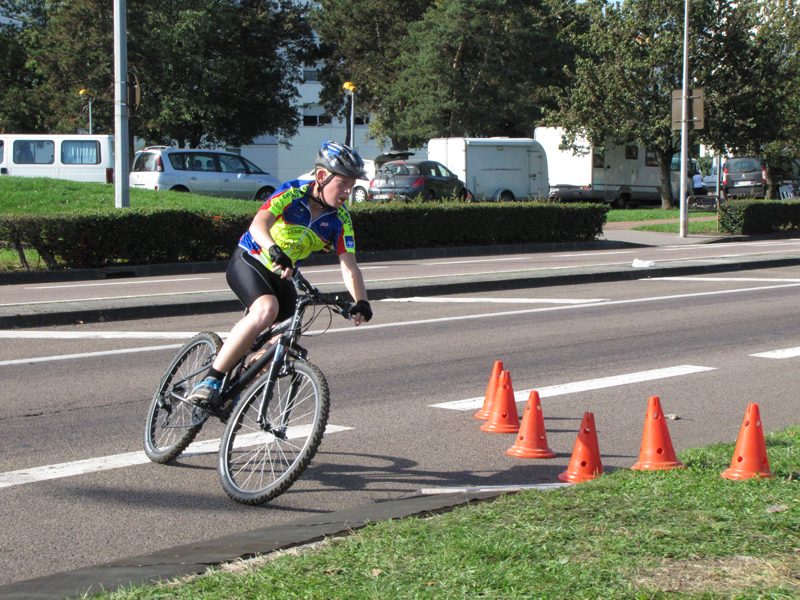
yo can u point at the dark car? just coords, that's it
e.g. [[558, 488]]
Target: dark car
[[410, 178], [746, 177]]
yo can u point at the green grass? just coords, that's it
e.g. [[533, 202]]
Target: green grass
[[628, 534], [698, 227], [41, 195]]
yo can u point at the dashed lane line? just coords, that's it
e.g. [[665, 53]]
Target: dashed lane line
[[435, 299], [779, 354], [130, 459], [582, 386]]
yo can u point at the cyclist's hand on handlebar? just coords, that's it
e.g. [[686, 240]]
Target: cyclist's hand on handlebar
[[361, 311], [279, 257]]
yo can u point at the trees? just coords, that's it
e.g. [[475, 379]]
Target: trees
[[17, 111], [482, 67], [364, 42], [212, 71], [620, 89], [742, 54], [452, 67]]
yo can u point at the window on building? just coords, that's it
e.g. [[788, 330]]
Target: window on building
[[310, 120], [310, 73], [599, 161], [362, 120], [632, 152], [325, 120], [650, 158]]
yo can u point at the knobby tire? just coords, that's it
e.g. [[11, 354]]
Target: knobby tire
[[172, 423], [256, 466]]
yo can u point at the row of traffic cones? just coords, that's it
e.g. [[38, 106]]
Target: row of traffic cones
[[657, 453]]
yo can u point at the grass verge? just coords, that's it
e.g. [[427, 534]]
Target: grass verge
[[697, 227], [628, 534]]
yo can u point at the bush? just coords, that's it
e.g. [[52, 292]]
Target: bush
[[151, 236], [751, 217]]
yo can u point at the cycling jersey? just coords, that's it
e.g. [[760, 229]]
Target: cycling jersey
[[294, 231]]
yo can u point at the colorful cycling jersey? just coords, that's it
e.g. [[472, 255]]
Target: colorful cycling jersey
[[295, 233]]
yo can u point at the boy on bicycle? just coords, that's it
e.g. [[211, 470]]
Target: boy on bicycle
[[298, 219]]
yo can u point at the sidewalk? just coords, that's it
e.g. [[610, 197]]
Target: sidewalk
[[197, 557], [615, 237]]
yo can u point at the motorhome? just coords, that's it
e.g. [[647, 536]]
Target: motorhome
[[497, 168], [620, 174], [74, 157]]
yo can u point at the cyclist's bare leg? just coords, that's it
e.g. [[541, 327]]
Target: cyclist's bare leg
[[259, 317]]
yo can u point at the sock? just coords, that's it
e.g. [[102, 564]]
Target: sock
[[212, 372]]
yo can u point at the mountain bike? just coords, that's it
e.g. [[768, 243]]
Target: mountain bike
[[274, 402]]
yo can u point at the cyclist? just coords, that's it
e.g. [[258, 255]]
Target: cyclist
[[299, 218]]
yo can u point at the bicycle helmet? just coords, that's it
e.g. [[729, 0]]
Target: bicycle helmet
[[339, 159]]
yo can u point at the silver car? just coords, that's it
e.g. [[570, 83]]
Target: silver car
[[205, 172]]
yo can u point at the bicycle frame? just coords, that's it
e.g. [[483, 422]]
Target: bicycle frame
[[237, 380]]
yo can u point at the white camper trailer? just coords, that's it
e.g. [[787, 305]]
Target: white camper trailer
[[622, 175], [75, 157], [494, 168]]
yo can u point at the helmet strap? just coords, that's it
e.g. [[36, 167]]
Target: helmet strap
[[317, 195]]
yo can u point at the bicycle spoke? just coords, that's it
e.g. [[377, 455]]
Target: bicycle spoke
[[257, 464]]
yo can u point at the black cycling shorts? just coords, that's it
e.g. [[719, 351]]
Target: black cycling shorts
[[250, 279]]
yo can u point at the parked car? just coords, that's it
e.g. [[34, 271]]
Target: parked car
[[206, 172], [409, 178], [746, 176], [710, 181]]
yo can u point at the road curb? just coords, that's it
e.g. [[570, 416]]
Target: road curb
[[161, 270], [196, 558], [512, 281]]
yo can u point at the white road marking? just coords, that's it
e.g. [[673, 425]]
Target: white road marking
[[787, 353], [228, 290], [475, 260], [692, 278], [493, 300], [101, 335], [129, 459], [82, 285], [494, 315], [604, 252], [27, 361], [582, 386]]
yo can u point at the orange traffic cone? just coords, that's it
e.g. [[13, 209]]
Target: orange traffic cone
[[750, 456], [585, 463], [657, 452], [532, 439], [503, 417], [491, 390]]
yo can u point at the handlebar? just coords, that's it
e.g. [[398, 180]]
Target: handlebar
[[343, 307]]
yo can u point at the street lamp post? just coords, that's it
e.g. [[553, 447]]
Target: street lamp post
[[349, 90], [90, 96], [684, 216]]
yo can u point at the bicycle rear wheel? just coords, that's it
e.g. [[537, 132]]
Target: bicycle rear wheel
[[172, 422], [257, 464]]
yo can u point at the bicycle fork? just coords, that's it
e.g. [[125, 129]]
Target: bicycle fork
[[279, 429]]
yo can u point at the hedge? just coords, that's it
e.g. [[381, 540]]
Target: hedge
[[751, 217], [150, 236]]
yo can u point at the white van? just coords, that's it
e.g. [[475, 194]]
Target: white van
[[496, 168], [622, 175], [74, 157]]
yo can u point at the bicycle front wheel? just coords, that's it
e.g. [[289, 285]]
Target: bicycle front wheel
[[258, 462], [173, 422]]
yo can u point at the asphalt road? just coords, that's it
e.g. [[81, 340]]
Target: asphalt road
[[603, 347]]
